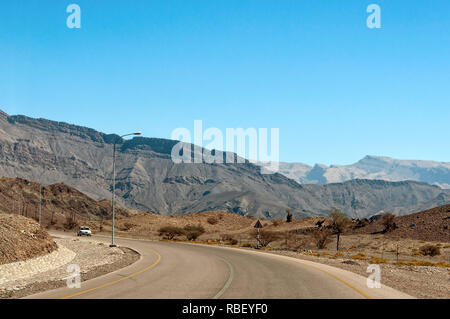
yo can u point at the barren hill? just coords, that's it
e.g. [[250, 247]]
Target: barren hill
[[431, 225], [59, 201], [21, 238], [147, 179]]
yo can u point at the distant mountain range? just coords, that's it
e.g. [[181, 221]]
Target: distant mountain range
[[147, 179], [371, 167]]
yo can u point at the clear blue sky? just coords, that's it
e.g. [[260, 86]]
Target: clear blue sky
[[336, 89]]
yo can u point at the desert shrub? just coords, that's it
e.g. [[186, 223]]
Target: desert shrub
[[339, 223], [192, 235], [376, 260], [169, 232], [198, 228], [388, 221], [212, 220], [321, 238], [246, 245], [359, 256], [193, 232], [70, 223], [361, 223], [430, 250], [275, 223], [266, 237], [288, 216], [319, 223], [226, 237], [229, 239]]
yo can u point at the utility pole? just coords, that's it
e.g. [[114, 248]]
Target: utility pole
[[40, 201]]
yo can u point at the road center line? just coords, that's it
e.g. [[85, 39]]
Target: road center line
[[119, 280], [228, 283]]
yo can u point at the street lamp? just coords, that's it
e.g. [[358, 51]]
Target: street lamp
[[114, 183]]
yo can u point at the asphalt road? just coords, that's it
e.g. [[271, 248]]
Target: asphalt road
[[176, 270]]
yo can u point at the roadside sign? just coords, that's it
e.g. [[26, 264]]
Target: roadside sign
[[258, 224]]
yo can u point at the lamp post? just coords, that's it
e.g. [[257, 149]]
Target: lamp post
[[114, 183]]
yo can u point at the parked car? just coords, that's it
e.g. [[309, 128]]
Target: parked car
[[84, 231]]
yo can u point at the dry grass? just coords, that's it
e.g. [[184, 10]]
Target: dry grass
[[360, 256]]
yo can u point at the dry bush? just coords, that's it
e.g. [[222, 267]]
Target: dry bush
[[276, 223], [388, 221], [288, 216], [376, 260], [339, 223], [212, 220], [226, 237], [359, 256], [193, 232], [266, 237], [70, 223], [169, 232], [430, 250], [321, 238], [229, 239], [361, 223]]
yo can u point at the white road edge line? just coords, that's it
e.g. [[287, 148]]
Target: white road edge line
[[228, 283]]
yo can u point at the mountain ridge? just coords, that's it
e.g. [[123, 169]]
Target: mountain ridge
[[371, 167], [147, 179]]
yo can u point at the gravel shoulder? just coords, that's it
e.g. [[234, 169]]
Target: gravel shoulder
[[94, 258], [422, 282]]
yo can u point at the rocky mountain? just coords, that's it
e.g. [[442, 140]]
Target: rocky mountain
[[147, 179], [371, 167]]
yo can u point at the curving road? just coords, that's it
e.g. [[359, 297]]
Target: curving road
[[175, 270]]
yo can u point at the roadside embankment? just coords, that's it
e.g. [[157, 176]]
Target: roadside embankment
[[22, 238], [42, 273]]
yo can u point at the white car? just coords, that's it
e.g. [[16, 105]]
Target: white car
[[84, 231]]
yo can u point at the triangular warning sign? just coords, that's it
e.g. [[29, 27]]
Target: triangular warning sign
[[258, 224]]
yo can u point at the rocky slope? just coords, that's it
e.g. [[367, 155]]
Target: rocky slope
[[147, 179], [431, 225], [21, 238], [59, 202]]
